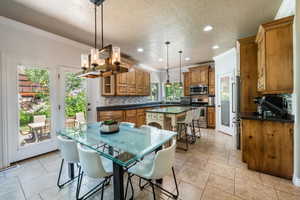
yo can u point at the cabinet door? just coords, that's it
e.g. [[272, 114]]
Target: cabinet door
[[252, 140], [204, 76], [121, 87], [140, 83], [278, 149], [141, 117], [211, 117], [261, 75], [111, 115], [130, 116], [211, 77], [131, 83], [186, 83], [195, 77], [147, 83], [108, 85]]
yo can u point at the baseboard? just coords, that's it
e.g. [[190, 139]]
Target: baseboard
[[296, 181]]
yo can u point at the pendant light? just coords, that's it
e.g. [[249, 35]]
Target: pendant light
[[99, 61], [168, 84], [180, 65]]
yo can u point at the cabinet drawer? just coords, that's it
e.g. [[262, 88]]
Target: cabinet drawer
[[108, 115]]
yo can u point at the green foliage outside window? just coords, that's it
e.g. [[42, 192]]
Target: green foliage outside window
[[174, 92]]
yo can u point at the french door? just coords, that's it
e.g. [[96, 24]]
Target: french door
[[225, 111], [33, 126], [73, 99]]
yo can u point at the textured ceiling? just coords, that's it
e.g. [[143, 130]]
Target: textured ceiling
[[147, 24]]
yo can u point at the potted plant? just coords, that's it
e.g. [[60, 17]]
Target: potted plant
[[109, 126]]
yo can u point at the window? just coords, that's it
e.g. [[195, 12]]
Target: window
[[173, 93], [154, 92]]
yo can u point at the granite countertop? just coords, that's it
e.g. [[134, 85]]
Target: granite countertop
[[136, 106], [255, 116], [171, 110]]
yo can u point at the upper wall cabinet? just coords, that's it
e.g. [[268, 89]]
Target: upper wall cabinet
[[275, 57], [186, 83], [135, 83], [199, 75]]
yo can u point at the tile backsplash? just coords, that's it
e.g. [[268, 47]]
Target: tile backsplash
[[115, 100]]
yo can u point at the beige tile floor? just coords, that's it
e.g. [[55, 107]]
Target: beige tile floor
[[210, 170]]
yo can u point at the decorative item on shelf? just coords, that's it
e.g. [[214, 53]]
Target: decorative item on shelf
[[102, 61], [168, 84], [180, 63], [109, 127]]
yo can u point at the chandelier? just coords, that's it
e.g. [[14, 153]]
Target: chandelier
[[180, 66], [168, 84], [104, 61]]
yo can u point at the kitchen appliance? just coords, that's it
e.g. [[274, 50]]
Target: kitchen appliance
[[199, 90], [211, 100], [236, 110], [272, 105], [185, 100]]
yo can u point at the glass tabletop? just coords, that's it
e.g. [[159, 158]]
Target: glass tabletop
[[171, 110], [130, 143]]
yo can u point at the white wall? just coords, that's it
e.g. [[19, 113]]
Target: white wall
[[25, 45], [287, 8], [224, 64]]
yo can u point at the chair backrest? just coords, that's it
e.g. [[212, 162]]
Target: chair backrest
[[80, 117], [196, 113], [91, 162], [127, 124], [163, 161], [39, 118], [189, 117], [68, 149]]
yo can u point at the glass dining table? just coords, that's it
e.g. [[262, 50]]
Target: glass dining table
[[124, 148]]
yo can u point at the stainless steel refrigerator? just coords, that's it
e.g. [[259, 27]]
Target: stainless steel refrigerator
[[236, 110]]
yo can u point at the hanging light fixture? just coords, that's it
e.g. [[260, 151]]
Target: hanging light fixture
[[180, 65], [99, 61], [168, 84]]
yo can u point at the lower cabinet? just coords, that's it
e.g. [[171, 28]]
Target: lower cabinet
[[267, 147], [108, 115], [211, 117], [136, 116]]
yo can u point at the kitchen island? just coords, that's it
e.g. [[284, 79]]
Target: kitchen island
[[166, 118]]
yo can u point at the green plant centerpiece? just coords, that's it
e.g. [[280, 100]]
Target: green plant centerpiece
[[109, 126]]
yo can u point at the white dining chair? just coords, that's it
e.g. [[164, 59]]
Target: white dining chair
[[132, 125], [79, 119], [69, 153], [154, 168], [93, 166]]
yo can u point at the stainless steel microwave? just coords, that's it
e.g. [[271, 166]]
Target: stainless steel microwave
[[198, 89]]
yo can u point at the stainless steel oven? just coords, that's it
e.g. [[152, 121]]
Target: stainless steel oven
[[198, 89]]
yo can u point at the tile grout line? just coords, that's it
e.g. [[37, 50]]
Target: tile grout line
[[205, 186], [19, 181]]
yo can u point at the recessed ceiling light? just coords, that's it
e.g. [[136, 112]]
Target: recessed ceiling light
[[140, 50], [207, 28], [187, 59], [215, 47], [160, 59]]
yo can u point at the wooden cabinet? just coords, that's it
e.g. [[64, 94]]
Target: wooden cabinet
[[130, 116], [186, 83], [268, 147], [211, 117], [275, 57], [140, 117], [108, 115], [247, 64], [211, 81], [199, 75], [135, 83], [131, 83], [108, 85], [121, 84]]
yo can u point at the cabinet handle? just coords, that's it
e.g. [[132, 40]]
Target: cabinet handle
[[250, 137]]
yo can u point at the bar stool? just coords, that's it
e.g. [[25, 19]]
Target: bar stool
[[182, 128], [196, 121]]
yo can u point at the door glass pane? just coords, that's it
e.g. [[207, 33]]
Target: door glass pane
[[225, 100], [75, 100], [34, 105]]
